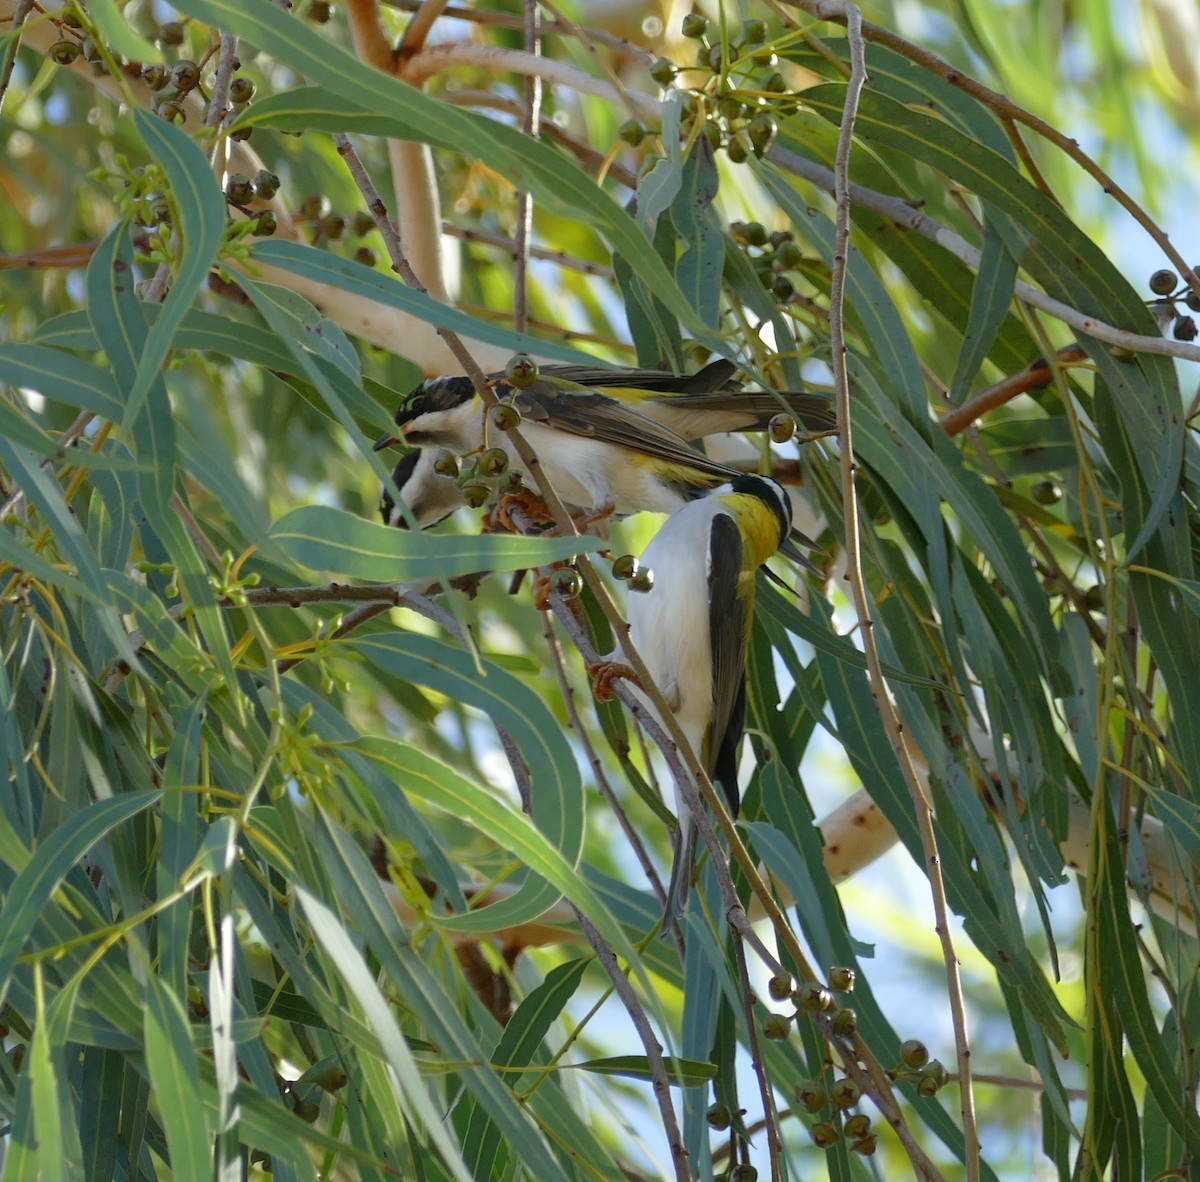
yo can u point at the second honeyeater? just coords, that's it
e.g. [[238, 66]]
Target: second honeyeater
[[607, 439]]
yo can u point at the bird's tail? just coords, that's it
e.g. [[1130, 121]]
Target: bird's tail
[[681, 870]]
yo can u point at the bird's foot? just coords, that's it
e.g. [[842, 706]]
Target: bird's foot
[[598, 516], [605, 673], [518, 513], [542, 586]]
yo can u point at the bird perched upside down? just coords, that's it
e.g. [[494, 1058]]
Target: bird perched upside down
[[692, 630], [608, 440]]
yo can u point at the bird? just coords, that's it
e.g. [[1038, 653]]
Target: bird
[[692, 630], [620, 439], [430, 497]]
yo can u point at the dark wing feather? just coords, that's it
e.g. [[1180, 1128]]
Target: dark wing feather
[[728, 618], [815, 412], [596, 416], [714, 376]]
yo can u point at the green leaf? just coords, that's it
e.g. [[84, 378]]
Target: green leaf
[[174, 1072], [891, 348], [33, 888], [519, 1046], [361, 983], [119, 36], [327, 539], [199, 208], [46, 495], [553, 178], [699, 268], [62, 377], [425, 996], [686, 1073], [120, 327], [991, 297], [315, 332], [59, 1153], [436, 784]]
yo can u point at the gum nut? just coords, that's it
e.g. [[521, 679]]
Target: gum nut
[[475, 493], [777, 1027], [1046, 492], [1163, 282], [845, 1093], [813, 997], [505, 416], [782, 427], [663, 71], [780, 987], [810, 1095], [642, 581], [521, 371], [493, 462], [842, 978], [241, 90], [64, 52], [185, 75], [845, 1022], [446, 463], [566, 583], [625, 567]]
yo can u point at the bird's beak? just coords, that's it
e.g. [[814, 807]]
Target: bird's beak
[[387, 441], [789, 549]]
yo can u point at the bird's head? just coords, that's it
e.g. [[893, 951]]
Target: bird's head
[[432, 408], [771, 495]]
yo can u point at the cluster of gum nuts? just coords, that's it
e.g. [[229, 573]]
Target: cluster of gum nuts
[[812, 998]]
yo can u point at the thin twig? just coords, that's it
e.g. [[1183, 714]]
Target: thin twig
[[880, 1087], [880, 691], [632, 836], [1005, 109], [1035, 375], [660, 1083], [774, 1139], [419, 28], [531, 118], [467, 234], [20, 12], [664, 731], [438, 58], [218, 103], [503, 20], [905, 215]]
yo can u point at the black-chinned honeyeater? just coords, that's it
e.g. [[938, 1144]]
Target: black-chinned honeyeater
[[692, 630], [608, 440]]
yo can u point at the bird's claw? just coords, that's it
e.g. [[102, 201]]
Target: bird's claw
[[528, 504], [604, 674]]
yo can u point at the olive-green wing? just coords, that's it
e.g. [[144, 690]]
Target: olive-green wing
[[716, 375], [593, 415], [728, 623], [735, 411]]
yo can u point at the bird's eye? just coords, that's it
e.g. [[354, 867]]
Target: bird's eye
[[409, 409]]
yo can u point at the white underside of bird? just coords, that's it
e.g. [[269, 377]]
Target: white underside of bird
[[679, 660], [592, 474]]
